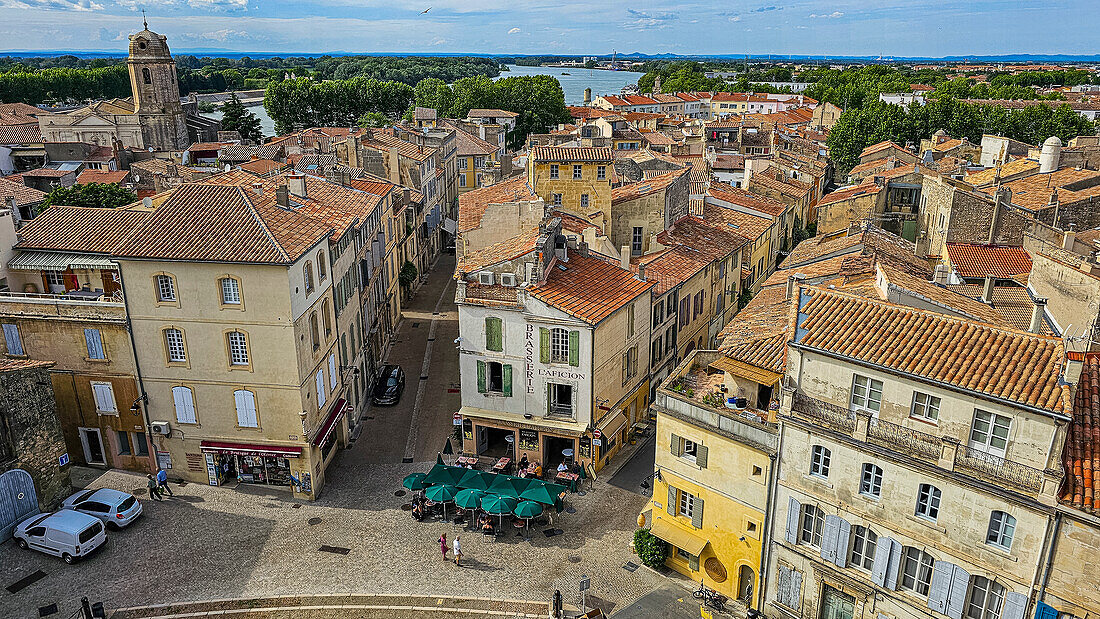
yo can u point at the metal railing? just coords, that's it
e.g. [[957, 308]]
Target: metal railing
[[106, 297], [913, 442], [996, 468], [826, 413]]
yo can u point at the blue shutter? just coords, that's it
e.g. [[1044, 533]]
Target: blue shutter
[[94, 343], [829, 533], [794, 509], [11, 336], [844, 532], [1045, 611], [887, 558], [940, 589]]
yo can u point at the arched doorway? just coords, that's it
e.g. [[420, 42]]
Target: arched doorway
[[17, 500], [746, 579]]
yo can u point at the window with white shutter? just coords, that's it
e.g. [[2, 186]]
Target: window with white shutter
[[321, 396], [93, 341], [834, 540], [1015, 605], [246, 408], [987, 600], [864, 545], [887, 563], [332, 372], [947, 592], [104, 395], [916, 570], [185, 404]]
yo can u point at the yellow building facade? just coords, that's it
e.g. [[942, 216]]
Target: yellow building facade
[[577, 180]]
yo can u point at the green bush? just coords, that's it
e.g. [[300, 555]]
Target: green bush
[[651, 550]]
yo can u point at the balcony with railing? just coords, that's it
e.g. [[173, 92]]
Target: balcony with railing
[[996, 469], [900, 438], [826, 413], [74, 304]]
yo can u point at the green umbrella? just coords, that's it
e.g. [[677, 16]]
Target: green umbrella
[[498, 505], [476, 480], [542, 492], [414, 482], [506, 485], [442, 493], [469, 498], [527, 510], [444, 474]]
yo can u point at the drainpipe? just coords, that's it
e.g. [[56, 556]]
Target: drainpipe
[[1050, 555], [765, 547], [144, 397]]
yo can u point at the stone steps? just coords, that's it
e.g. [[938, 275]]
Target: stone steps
[[340, 606]]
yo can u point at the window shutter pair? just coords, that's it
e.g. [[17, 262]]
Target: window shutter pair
[[701, 456], [574, 348], [544, 345], [494, 335], [794, 511], [677, 446], [95, 344], [789, 587], [185, 404], [834, 540], [697, 514], [104, 396], [1015, 605], [670, 507], [947, 593], [246, 409], [884, 573], [332, 372], [481, 377]]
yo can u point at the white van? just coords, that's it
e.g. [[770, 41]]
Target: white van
[[66, 534]]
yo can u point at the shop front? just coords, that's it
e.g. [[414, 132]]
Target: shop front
[[491, 438], [249, 464]]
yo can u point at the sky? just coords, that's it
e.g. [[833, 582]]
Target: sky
[[930, 28]]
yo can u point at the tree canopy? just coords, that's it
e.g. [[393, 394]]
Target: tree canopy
[[300, 103], [236, 117], [101, 195]]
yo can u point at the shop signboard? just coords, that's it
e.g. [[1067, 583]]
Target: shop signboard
[[211, 469], [457, 419], [586, 447], [528, 440]]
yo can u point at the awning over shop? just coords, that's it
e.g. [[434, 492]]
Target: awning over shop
[[744, 370], [244, 449], [678, 537], [30, 260], [612, 423], [339, 409]]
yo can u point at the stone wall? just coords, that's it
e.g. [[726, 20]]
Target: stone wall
[[34, 432]]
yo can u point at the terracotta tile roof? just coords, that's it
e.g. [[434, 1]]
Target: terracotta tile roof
[[758, 333], [852, 191], [656, 138], [568, 154], [472, 204], [79, 229], [947, 145], [1035, 192], [789, 187], [260, 166], [20, 109], [490, 113], [941, 296], [588, 288], [639, 100], [109, 177], [729, 162], [633, 191], [384, 142], [207, 146], [671, 267], [876, 246], [573, 223], [747, 225], [615, 101], [1010, 365], [508, 249], [1081, 454], [14, 365], [714, 241], [815, 248], [21, 193], [1006, 171], [467, 144], [1000, 261], [46, 173], [1011, 301], [585, 113], [874, 148], [747, 199], [20, 134]]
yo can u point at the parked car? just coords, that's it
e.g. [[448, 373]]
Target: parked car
[[67, 534], [388, 386], [116, 509]]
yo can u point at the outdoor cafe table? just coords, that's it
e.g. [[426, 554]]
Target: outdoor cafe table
[[466, 461], [570, 479], [502, 464], [530, 470]]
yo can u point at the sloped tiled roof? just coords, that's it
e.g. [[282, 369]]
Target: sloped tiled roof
[[941, 296], [569, 154], [1081, 455], [757, 335], [1020, 367], [20, 134], [657, 183], [21, 193], [588, 288], [670, 267], [80, 229], [490, 113], [1007, 171], [748, 225], [109, 177], [717, 242], [468, 144], [472, 204], [508, 249], [747, 199], [1000, 261], [260, 166]]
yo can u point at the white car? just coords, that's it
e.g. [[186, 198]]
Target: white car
[[116, 509], [66, 534]]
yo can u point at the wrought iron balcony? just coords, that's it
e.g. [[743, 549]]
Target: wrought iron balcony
[[907, 440], [825, 413], [997, 469]]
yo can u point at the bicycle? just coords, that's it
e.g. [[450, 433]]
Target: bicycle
[[710, 597]]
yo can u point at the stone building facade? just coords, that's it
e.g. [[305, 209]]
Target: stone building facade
[[30, 436]]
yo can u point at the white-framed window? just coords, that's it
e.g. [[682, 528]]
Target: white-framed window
[[307, 274], [1002, 527], [238, 348], [559, 345], [184, 399], [322, 266], [554, 171], [245, 401], [989, 433], [321, 393], [916, 570], [166, 289], [690, 450], [601, 172], [820, 458], [986, 599], [864, 543], [925, 406], [462, 180], [13, 340], [870, 482], [928, 501], [866, 393], [104, 395], [93, 341], [555, 199], [173, 342], [577, 172], [561, 399], [813, 519], [686, 504], [584, 201], [231, 291]]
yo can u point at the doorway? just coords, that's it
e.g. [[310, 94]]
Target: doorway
[[494, 442], [745, 580], [552, 454], [836, 604], [92, 441]]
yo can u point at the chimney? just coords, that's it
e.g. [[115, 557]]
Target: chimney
[[939, 276], [1068, 238], [880, 181], [296, 183], [624, 257], [793, 281], [1038, 315], [641, 271], [987, 289], [258, 188], [16, 217], [1001, 199], [281, 197], [170, 169]]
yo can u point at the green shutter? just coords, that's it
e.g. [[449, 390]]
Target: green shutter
[[549, 403], [574, 348], [494, 338], [507, 380], [481, 377], [544, 345]]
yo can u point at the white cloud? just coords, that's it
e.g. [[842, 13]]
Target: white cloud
[[833, 15], [52, 5], [514, 31], [735, 18]]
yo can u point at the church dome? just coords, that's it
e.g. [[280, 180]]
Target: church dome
[[148, 45]]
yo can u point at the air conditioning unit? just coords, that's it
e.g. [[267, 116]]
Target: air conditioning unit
[[508, 279], [485, 278], [160, 427]]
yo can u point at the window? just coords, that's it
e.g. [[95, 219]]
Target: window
[[864, 542], [554, 170], [321, 393], [576, 172], [584, 201], [870, 483], [989, 433], [173, 342], [690, 450], [630, 320], [238, 348], [141, 445], [461, 180], [658, 313], [925, 406], [819, 461], [326, 319], [123, 443], [313, 333], [166, 289], [104, 395], [928, 501], [672, 302], [231, 291], [630, 363], [986, 599], [636, 240], [322, 266], [559, 346], [555, 199], [146, 76], [867, 393], [1001, 528], [185, 404], [94, 343], [494, 334], [307, 273], [686, 506], [813, 519], [916, 570], [561, 399], [332, 382], [601, 172], [246, 408], [494, 379]]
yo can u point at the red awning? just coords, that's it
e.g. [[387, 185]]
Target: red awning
[[245, 449], [339, 409]]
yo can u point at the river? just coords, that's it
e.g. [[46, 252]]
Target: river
[[601, 82]]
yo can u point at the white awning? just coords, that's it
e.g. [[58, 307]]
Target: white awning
[[30, 260], [449, 225]]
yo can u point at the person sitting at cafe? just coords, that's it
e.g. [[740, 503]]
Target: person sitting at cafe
[[487, 526], [538, 469], [418, 511], [563, 467], [523, 462]]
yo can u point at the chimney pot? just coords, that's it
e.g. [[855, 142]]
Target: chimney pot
[[282, 197], [641, 271], [987, 289], [1038, 315], [296, 184], [624, 257], [793, 281], [258, 188]]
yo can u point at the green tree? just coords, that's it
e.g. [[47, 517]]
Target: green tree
[[236, 117], [102, 195], [373, 119], [407, 275], [650, 549]]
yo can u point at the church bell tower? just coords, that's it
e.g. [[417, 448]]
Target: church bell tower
[[156, 91]]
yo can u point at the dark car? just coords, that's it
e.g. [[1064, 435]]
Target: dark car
[[388, 386]]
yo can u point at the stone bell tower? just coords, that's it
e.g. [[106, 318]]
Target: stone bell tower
[[156, 92]]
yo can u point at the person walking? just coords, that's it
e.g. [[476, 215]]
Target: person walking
[[443, 548], [154, 488], [162, 481], [458, 552]]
